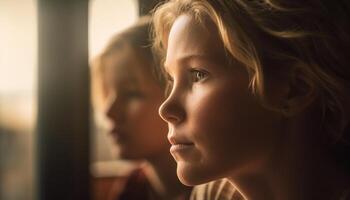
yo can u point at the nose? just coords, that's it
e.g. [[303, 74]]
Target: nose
[[172, 109], [113, 108]]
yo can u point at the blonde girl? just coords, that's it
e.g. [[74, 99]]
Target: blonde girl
[[259, 94], [128, 92]]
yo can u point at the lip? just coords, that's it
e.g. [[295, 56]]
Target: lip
[[118, 135], [179, 144], [180, 148], [115, 132], [177, 139]]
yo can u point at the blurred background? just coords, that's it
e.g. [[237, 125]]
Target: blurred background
[[50, 147]]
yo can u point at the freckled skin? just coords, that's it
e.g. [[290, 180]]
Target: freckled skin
[[232, 133]]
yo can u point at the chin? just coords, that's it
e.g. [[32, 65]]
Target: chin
[[127, 155], [192, 175]]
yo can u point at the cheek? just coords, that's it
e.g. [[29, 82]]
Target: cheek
[[145, 122], [142, 114], [216, 108], [214, 118], [229, 125]]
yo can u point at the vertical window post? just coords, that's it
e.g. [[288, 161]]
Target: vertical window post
[[63, 124]]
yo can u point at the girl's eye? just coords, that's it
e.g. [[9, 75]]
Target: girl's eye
[[197, 75]]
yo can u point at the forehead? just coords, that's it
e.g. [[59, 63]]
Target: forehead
[[123, 65], [116, 60], [189, 38]]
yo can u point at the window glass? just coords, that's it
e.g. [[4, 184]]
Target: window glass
[[18, 75]]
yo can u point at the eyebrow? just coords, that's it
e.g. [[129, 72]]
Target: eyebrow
[[187, 58]]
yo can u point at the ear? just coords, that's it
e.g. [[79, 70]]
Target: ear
[[301, 91]]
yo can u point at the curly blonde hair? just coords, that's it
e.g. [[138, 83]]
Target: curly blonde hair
[[275, 37]]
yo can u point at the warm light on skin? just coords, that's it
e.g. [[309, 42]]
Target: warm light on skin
[[210, 105], [131, 108], [107, 17]]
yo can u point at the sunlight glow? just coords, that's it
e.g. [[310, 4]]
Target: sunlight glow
[[107, 17], [18, 49]]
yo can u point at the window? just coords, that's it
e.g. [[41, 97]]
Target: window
[[18, 69]]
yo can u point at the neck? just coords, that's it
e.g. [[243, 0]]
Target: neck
[[161, 172], [300, 169]]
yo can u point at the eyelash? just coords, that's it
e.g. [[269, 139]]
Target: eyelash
[[198, 75]]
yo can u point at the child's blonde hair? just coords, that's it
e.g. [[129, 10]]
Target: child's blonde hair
[[137, 40], [276, 37]]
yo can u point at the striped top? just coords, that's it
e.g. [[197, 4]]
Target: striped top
[[216, 190]]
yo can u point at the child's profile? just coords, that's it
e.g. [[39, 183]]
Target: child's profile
[[128, 92], [259, 94]]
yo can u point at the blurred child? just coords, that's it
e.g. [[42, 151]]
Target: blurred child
[[128, 89]]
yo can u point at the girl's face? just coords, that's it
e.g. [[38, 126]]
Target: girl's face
[[217, 128], [132, 103]]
